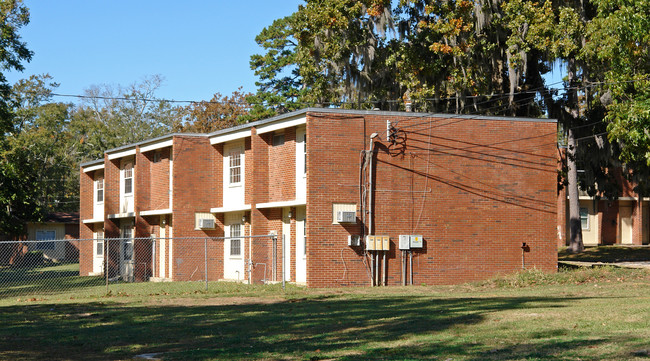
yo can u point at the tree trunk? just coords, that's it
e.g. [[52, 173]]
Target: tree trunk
[[575, 226]]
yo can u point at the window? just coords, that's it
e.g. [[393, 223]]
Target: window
[[43, 236], [584, 218], [156, 157], [235, 167], [128, 178], [235, 243], [278, 139], [99, 186], [99, 244], [305, 150], [127, 243]]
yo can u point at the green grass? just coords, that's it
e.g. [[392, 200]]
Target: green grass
[[592, 314]]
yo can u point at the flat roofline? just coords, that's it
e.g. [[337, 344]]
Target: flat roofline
[[154, 140]]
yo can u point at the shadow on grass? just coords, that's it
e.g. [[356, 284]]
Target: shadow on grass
[[377, 327], [45, 279], [607, 254]]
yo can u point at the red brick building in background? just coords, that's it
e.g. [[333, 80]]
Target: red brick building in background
[[474, 188]]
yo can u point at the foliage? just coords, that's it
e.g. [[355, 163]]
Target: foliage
[[218, 113], [111, 116]]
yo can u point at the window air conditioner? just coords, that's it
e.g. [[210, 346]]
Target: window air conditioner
[[346, 217], [206, 223]]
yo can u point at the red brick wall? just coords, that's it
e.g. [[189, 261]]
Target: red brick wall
[[194, 190], [475, 189], [282, 167], [85, 229]]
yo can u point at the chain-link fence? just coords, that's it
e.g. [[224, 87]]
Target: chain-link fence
[[99, 266]]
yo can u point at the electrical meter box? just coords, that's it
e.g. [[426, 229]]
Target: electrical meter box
[[416, 241], [404, 241], [354, 241], [370, 243], [385, 243]]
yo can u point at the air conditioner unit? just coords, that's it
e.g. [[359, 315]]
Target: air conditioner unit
[[206, 223], [346, 217]]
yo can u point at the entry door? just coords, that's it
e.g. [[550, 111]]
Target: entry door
[[626, 223], [301, 245], [98, 251], [286, 244], [233, 265], [126, 252], [162, 243]]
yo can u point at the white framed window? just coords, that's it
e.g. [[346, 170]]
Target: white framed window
[[235, 167], [305, 152], [99, 244], [44, 236], [235, 243], [99, 190], [584, 218], [128, 178]]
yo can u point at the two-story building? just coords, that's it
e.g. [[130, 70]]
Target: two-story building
[[463, 192]]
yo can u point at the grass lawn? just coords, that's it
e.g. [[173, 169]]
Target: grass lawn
[[590, 314]]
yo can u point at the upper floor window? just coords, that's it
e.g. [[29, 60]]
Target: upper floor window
[[235, 167], [305, 152], [278, 139], [157, 156], [99, 189], [128, 178]]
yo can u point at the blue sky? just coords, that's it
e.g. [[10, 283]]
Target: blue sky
[[199, 47]]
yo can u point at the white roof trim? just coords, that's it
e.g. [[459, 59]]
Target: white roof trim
[[94, 167], [292, 203], [281, 125], [230, 136], [86, 221], [122, 154], [121, 215], [239, 208], [154, 146], [156, 212]]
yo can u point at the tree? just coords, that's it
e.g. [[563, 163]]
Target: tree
[[218, 113], [15, 201], [111, 117]]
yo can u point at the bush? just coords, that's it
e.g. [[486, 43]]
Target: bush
[[32, 259]]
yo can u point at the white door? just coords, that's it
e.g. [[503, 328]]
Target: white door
[[126, 252], [286, 244], [98, 252], [301, 245], [162, 243], [233, 253], [626, 224]]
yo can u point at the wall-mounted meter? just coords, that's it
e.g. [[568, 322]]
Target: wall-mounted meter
[[416, 241], [370, 243], [385, 243], [354, 241], [404, 241]]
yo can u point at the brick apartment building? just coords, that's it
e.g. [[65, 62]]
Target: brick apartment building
[[624, 221], [470, 189]]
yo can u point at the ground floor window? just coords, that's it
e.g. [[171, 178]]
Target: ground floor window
[[43, 236], [235, 243]]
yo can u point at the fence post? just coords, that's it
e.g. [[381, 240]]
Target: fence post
[[205, 256], [106, 249]]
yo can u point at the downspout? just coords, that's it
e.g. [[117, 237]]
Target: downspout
[[370, 207]]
